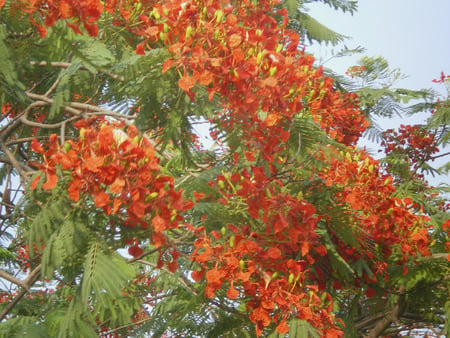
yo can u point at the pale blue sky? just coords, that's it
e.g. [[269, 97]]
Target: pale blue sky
[[412, 35]]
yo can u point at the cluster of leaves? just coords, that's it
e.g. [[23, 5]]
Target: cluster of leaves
[[289, 228]]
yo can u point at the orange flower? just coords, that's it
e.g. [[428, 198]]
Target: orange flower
[[282, 327], [186, 83], [272, 119], [232, 293]]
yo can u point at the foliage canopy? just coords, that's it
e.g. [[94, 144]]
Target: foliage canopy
[[117, 221]]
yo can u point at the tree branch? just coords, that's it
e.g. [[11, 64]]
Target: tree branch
[[391, 316], [12, 279], [27, 284], [73, 106], [139, 322], [439, 255], [23, 175]]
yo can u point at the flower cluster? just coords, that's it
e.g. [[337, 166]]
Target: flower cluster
[[266, 259], [119, 171], [380, 217], [414, 142]]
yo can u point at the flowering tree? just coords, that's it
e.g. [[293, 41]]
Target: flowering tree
[[116, 221]]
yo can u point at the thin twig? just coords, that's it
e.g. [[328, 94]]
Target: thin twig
[[14, 162], [391, 316], [143, 255], [28, 283], [12, 279], [102, 334]]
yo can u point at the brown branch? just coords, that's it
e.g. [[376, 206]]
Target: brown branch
[[391, 316], [28, 283], [22, 165], [93, 108], [53, 86], [440, 155], [26, 139], [439, 255], [18, 166], [106, 334], [12, 279], [367, 323], [29, 123], [73, 106]]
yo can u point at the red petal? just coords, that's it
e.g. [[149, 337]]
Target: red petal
[[101, 199], [135, 251], [167, 65], [36, 146], [370, 292], [140, 49], [74, 190], [159, 223], [232, 293], [173, 266], [274, 253], [35, 182], [186, 82], [197, 275], [92, 29], [321, 250], [52, 179], [282, 328]]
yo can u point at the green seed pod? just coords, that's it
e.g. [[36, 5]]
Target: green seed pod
[[259, 57], [156, 14], [151, 197], [218, 15], [188, 32], [166, 28], [82, 132], [232, 241], [291, 278]]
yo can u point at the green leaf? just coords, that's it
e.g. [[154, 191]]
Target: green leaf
[[75, 324], [22, 326], [104, 279], [50, 218], [8, 71], [314, 30]]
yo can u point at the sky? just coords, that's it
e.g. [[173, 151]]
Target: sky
[[412, 35]]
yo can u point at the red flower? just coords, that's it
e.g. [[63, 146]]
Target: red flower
[[186, 83], [135, 251]]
